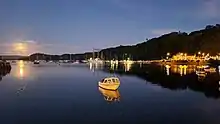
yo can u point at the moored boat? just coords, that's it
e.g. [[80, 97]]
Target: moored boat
[[110, 83], [200, 71], [36, 62], [210, 69]]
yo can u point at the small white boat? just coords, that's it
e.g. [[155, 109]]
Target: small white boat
[[210, 69], [36, 62], [76, 62], [110, 83]]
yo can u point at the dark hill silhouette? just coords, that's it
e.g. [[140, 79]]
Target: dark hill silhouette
[[206, 40]]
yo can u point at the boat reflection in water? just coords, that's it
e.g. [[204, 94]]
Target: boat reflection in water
[[4, 72], [110, 95]]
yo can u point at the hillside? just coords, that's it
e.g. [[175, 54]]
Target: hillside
[[206, 40], [11, 57]]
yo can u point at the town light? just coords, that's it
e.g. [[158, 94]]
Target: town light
[[199, 53], [208, 54], [168, 54]]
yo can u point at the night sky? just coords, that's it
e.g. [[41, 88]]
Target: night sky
[[63, 26]]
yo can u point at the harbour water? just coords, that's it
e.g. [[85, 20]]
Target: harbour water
[[67, 94]]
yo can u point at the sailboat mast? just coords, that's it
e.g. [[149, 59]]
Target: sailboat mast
[[98, 55], [102, 55], [93, 54]]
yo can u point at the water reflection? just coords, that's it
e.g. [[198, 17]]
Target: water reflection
[[128, 65], [91, 67], [175, 77], [114, 65], [21, 73], [180, 69], [21, 69], [110, 95], [95, 66], [4, 72], [168, 69]]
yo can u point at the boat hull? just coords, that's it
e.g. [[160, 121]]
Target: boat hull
[[109, 86], [36, 63]]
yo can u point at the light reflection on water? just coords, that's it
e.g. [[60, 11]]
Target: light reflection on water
[[59, 94], [186, 69], [21, 69]]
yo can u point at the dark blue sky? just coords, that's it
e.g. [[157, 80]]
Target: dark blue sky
[[59, 26]]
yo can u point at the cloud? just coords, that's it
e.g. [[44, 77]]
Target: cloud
[[158, 32], [29, 41]]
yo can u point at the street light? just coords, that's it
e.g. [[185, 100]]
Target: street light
[[199, 53], [168, 54]]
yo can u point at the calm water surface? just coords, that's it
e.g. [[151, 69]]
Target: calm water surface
[[69, 94]]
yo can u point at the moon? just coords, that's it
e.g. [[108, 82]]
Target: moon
[[20, 48]]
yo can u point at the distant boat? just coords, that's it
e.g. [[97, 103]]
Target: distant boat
[[210, 69], [36, 62], [84, 61], [110, 83], [77, 62], [200, 71], [13, 61]]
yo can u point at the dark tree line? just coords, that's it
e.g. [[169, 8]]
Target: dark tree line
[[206, 40]]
